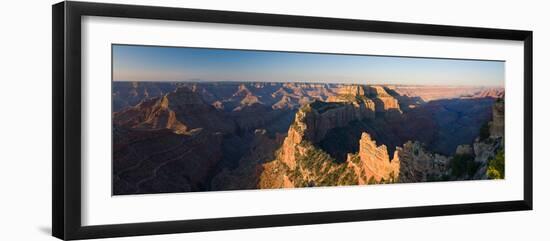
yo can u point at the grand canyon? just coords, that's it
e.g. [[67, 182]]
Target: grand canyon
[[213, 136]]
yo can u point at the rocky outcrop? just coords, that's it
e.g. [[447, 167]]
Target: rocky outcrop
[[314, 120], [496, 126], [304, 164], [484, 152], [126, 94], [375, 160], [181, 111], [353, 90], [287, 153], [293, 165], [487, 149], [417, 164], [150, 114], [464, 150], [385, 103], [286, 102], [193, 112]]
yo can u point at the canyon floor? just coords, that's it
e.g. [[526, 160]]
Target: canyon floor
[[208, 136]]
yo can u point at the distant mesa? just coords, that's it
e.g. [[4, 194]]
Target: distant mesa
[[429, 93]]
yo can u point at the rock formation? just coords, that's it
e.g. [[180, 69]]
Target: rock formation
[[315, 119], [150, 114], [496, 126], [127, 94], [375, 160], [385, 103], [417, 164], [181, 110], [411, 162], [227, 136], [464, 150], [486, 149]]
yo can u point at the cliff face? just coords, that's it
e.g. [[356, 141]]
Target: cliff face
[[418, 163], [127, 94], [314, 120], [496, 126], [193, 112], [317, 118], [150, 114], [487, 149], [377, 96], [227, 136], [304, 165], [300, 162], [385, 103], [180, 111], [353, 90], [375, 161]]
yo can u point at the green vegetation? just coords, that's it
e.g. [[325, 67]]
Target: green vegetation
[[349, 179], [314, 159], [464, 164], [484, 132], [355, 159], [371, 180], [317, 168], [495, 169]]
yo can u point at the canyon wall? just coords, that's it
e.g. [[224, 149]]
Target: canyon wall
[[230, 136]]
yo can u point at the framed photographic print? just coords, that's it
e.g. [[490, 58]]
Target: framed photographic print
[[170, 120]]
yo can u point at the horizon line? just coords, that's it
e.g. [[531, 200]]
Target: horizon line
[[298, 82]]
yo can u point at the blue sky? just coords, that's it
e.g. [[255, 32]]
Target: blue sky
[[152, 63]]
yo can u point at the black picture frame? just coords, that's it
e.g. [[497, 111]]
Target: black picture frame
[[66, 128]]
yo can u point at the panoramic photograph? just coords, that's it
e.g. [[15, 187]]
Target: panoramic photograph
[[187, 119]]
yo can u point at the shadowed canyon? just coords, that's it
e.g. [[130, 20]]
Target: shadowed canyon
[[209, 136]]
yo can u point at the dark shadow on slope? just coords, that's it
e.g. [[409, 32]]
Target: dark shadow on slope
[[441, 124]]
